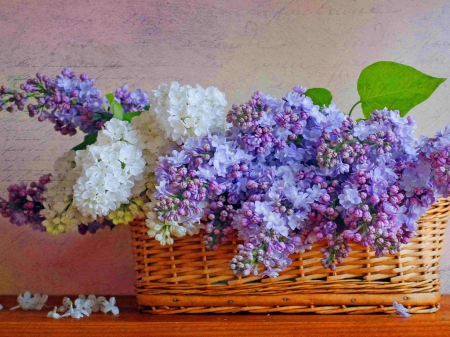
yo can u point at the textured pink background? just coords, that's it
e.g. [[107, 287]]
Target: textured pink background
[[238, 46]]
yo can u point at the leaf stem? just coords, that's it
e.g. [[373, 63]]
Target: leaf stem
[[351, 110]]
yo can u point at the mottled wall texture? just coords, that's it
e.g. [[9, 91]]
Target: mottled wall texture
[[238, 46]]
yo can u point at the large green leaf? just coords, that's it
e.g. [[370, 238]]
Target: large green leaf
[[319, 96], [116, 107], [88, 140], [130, 115], [394, 86]]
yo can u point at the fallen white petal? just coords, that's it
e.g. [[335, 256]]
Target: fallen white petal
[[54, 314]]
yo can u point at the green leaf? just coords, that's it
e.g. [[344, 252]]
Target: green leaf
[[319, 96], [130, 115], [116, 107], [88, 140], [110, 98], [394, 86], [117, 110]]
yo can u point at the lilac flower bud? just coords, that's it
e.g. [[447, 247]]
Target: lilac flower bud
[[251, 184], [374, 199], [325, 198]]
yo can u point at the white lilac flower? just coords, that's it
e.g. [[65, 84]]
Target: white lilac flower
[[84, 304], [110, 169], [401, 310], [114, 131], [110, 306], [183, 111], [28, 302], [75, 312], [151, 138], [61, 216], [40, 301], [164, 232]]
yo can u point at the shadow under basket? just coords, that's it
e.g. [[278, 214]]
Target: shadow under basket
[[187, 278]]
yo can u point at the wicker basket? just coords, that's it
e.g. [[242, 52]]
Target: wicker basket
[[187, 278]]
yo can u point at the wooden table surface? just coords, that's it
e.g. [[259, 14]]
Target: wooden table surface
[[131, 323]]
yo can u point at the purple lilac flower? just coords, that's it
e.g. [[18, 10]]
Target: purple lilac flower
[[24, 203], [434, 157], [400, 309], [69, 101], [288, 173], [349, 197], [131, 101], [94, 226]]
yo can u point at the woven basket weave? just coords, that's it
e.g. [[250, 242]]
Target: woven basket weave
[[187, 278]]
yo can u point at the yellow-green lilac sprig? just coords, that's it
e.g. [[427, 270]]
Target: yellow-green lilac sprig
[[126, 213], [60, 224]]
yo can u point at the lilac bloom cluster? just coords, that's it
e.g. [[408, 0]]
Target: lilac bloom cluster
[[289, 173], [132, 101], [435, 155], [69, 101], [24, 203]]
